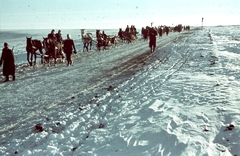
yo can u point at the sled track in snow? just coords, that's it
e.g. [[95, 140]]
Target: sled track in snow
[[173, 68], [133, 64], [176, 66]]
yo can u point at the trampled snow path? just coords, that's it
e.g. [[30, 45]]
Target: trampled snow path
[[38, 89], [180, 100]]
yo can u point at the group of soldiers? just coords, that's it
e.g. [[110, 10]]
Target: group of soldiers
[[160, 30]]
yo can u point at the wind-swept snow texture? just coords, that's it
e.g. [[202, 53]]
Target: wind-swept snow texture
[[180, 100]]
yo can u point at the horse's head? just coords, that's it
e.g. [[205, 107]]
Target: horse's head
[[82, 31], [98, 33], [45, 40], [29, 41]]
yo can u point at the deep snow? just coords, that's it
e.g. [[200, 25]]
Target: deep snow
[[181, 100]]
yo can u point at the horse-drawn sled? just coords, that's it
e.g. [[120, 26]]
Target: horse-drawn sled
[[104, 40], [129, 35], [53, 51]]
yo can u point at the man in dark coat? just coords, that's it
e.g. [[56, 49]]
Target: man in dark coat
[[68, 47], [7, 59], [152, 39]]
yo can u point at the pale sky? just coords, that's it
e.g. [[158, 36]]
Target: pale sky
[[99, 14]]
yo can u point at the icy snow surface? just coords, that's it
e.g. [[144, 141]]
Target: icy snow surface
[[180, 100]]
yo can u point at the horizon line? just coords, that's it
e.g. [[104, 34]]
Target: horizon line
[[111, 28]]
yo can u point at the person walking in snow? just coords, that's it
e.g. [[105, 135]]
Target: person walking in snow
[[68, 47], [7, 59], [152, 39]]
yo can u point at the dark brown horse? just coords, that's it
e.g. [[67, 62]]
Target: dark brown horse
[[31, 48]]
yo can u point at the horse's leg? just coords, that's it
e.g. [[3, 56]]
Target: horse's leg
[[28, 57], [31, 57], [50, 56], [49, 59], [46, 59], [35, 58], [98, 46], [90, 44], [104, 45], [115, 42], [84, 45], [40, 49], [55, 57]]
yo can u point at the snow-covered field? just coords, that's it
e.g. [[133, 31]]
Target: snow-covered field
[[181, 100]]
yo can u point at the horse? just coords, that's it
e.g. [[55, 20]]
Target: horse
[[86, 39], [31, 48], [53, 50]]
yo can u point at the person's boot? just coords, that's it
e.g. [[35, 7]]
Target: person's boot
[[13, 78], [7, 79]]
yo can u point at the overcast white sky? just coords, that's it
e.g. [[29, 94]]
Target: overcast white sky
[[71, 14]]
